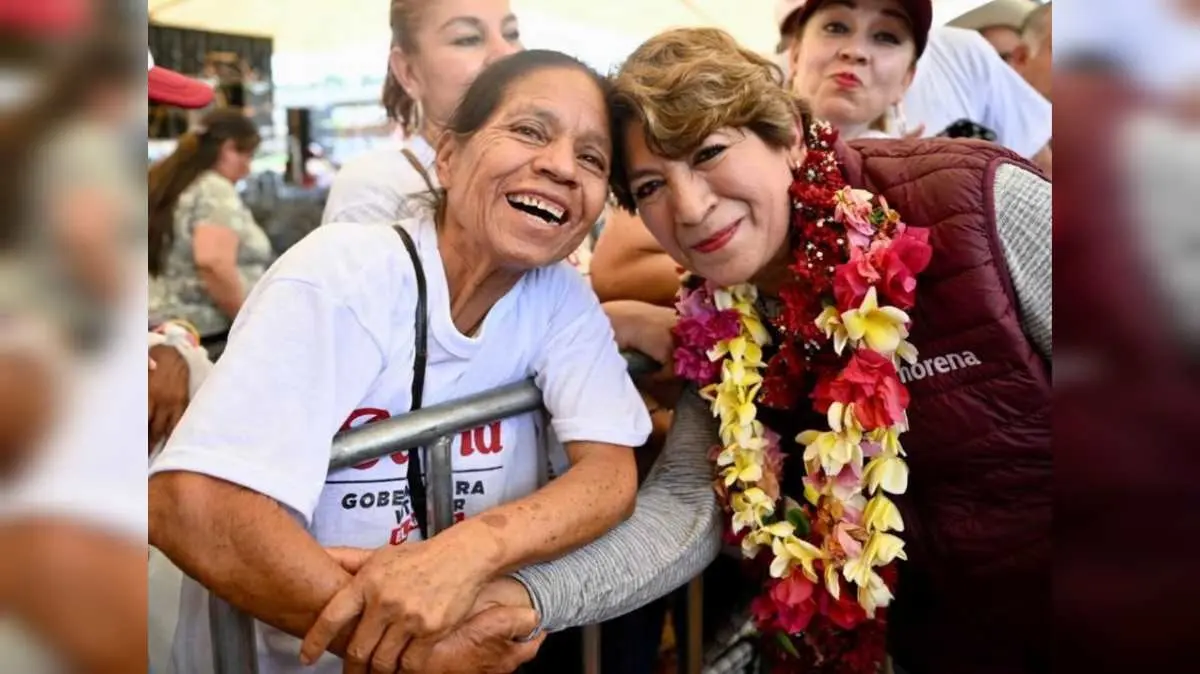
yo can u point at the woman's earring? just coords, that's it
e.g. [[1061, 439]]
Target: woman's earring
[[416, 118]]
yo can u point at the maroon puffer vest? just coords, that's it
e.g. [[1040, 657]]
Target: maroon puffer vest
[[975, 595]]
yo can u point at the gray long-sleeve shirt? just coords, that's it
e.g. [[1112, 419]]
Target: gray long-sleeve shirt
[[675, 530]]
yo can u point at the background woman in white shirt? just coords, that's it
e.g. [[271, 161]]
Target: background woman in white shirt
[[438, 48]]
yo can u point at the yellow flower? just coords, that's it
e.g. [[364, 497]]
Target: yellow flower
[[740, 349], [755, 540], [831, 580], [888, 471], [841, 417], [905, 352], [882, 515], [811, 494], [749, 508], [873, 593], [734, 404], [888, 440], [830, 322], [754, 325], [747, 467], [789, 551], [742, 293], [834, 450], [858, 569], [882, 328], [883, 549]]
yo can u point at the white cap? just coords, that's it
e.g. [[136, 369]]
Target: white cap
[[1008, 13]]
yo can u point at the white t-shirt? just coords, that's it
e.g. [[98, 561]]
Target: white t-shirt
[[326, 341], [960, 76], [377, 186]]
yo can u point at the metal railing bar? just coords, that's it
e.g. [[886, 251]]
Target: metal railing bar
[[424, 426]]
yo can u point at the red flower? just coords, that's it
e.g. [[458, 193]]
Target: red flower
[[794, 604], [763, 610], [845, 611], [899, 263], [869, 382], [890, 265]]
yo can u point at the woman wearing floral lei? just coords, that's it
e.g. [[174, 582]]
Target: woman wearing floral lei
[[866, 330]]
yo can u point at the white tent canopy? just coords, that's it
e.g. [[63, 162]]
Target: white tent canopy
[[332, 26]]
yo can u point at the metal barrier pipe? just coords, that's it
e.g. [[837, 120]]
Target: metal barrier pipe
[[232, 634], [591, 649], [426, 425], [233, 640], [440, 478]]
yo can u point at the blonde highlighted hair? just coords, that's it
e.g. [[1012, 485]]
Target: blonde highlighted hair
[[684, 84]]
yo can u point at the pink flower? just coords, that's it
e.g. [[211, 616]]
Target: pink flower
[[853, 209], [772, 453], [695, 366], [697, 302], [694, 333], [870, 383], [841, 532], [852, 280], [844, 483], [725, 325]]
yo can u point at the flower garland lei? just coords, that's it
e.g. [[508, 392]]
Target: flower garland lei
[[844, 331]]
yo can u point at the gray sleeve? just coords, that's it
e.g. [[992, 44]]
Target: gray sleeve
[[1024, 223], [673, 534]]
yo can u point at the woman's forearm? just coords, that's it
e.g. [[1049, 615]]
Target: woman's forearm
[[245, 548], [596, 494], [224, 285], [647, 277], [674, 533]]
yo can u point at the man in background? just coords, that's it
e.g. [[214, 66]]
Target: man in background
[[1021, 32]]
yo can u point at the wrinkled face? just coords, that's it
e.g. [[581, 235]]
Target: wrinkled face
[[854, 59], [456, 40], [721, 211], [531, 182]]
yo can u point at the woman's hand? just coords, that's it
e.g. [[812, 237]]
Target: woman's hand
[[489, 642], [647, 328], [643, 327], [167, 391], [402, 592]]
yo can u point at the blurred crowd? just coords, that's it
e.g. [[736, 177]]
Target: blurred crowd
[[76, 301]]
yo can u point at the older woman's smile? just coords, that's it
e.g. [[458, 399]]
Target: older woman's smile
[[541, 206]]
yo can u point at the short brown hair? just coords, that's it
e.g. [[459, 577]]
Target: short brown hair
[[684, 84]]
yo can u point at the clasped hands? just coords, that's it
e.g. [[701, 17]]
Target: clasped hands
[[425, 608]]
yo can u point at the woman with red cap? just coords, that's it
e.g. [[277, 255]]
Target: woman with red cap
[[853, 60]]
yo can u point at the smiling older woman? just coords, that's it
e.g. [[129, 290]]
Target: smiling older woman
[[241, 498]]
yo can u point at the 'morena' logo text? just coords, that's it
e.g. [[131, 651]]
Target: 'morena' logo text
[[932, 367]]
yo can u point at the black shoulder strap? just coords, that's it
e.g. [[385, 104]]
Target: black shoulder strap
[[416, 486]]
